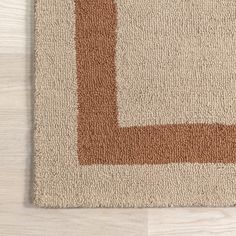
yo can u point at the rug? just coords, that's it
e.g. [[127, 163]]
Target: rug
[[135, 103]]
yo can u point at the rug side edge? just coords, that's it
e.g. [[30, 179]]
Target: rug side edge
[[55, 98]]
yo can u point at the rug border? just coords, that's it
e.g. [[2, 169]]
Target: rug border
[[101, 140]]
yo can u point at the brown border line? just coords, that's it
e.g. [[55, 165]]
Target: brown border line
[[100, 140]]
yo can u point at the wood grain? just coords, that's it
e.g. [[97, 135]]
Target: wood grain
[[17, 215]]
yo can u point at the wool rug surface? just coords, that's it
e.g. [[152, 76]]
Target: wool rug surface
[[135, 103]]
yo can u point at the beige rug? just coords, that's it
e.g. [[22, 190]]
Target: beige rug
[[135, 103]]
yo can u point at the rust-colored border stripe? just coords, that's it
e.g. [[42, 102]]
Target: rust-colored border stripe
[[100, 140]]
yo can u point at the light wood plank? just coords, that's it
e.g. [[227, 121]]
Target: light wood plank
[[16, 26], [192, 221]]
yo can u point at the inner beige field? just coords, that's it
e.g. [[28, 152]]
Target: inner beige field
[[176, 62]]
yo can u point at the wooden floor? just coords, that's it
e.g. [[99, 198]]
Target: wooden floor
[[17, 216]]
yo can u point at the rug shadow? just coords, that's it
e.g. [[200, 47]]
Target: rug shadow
[[29, 69]]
